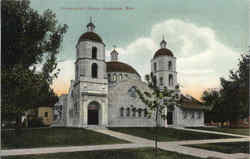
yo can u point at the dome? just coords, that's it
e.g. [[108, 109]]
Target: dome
[[90, 36], [163, 52], [115, 66]]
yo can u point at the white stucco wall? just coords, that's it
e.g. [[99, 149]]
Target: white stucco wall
[[119, 97], [189, 121]]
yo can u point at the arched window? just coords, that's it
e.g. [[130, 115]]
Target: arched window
[[192, 115], [94, 70], [128, 112], [170, 65], [184, 115], [134, 112], [109, 77], [155, 80], [199, 115], [122, 111], [161, 81], [94, 53], [145, 112], [155, 67], [120, 76], [139, 112], [114, 77], [170, 81]]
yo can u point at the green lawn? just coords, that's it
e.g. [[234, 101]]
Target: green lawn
[[239, 131], [169, 134], [51, 137], [142, 153], [232, 147]]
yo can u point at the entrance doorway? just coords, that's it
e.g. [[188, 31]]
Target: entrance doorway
[[170, 118], [93, 113]]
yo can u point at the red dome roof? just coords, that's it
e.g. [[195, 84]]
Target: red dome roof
[[163, 52], [90, 36], [115, 66]]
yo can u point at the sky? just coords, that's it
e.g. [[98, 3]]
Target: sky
[[206, 37]]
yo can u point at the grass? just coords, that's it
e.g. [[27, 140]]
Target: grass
[[169, 134], [232, 147], [51, 137], [141, 153], [239, 131]]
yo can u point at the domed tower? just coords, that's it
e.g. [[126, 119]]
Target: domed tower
[[163, 67], [90, 78]]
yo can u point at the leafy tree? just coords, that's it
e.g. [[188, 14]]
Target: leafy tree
[[235, 91], [158, 101], [231, 102], [30, 39], [216, 112]]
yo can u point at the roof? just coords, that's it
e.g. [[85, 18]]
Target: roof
[[191, 103], [163, 52], [115, 66], [90, 36]]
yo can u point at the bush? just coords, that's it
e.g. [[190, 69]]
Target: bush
[[36, 122]]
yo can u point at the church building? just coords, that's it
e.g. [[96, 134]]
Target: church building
[[103, 92]]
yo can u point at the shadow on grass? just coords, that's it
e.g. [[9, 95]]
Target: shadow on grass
[[52, 137], [229, 147], [142, 153], [169, 134]]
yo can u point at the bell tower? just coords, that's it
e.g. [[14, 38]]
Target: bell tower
[[163, 67], [90, 78]]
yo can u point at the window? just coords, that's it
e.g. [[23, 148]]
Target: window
[[184, 115], [170, 66], [161, 81], [120, 76], [170, 81], [139, 112], [94, 70], [114, 77], [109, 77], [132, 92], [155, 80], [128, 111], [192, 115], [199, 115], [145, 112], [122, 111], [155, 67], [134, 112], [46, 114], [94, 53], [77, 71]]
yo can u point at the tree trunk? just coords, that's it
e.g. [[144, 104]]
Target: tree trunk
[[156, 132], [18, 123]]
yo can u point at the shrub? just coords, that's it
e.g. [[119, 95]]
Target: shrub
[[36, 122]]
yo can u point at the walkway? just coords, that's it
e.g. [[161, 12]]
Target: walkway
[[138, 142]]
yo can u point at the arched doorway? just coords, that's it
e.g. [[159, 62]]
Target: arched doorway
[[93, 113]]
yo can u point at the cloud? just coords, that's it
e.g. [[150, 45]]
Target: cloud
[[201, 57]]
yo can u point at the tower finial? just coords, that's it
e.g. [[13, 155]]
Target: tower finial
[[90, 25], [163, 42], [114, 54]]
